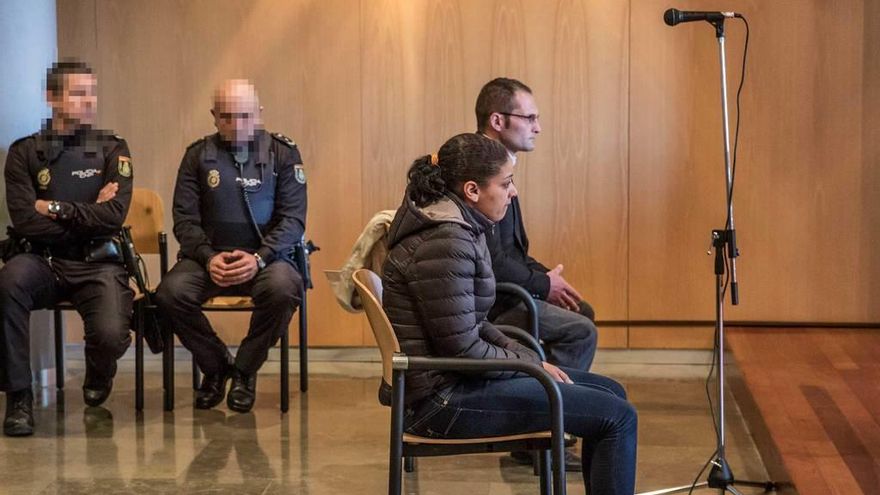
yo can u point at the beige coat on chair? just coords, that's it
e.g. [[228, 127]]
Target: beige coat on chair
[[369, 252]]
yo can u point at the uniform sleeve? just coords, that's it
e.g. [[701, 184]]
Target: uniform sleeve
[[289, 211], [441, 281], [186, 211], [20, 199], [94, 219], [530, 276]]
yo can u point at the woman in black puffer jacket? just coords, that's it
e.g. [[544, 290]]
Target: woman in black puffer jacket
[[438, 288]]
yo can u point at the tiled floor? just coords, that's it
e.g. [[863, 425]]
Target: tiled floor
[[334, 439]]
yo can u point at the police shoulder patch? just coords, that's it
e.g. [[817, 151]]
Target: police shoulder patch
[[124, 166], [284, 139], [299, 173]]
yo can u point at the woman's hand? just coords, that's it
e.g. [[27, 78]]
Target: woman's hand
[[556, 373]]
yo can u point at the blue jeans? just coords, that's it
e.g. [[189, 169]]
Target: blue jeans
[[594, 408]]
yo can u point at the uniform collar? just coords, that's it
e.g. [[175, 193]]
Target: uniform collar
[[259, 147]]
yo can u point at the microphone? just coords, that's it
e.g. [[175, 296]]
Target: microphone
[[674, 16]]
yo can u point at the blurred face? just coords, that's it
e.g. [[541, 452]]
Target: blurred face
[[76, 105], [494, 197], [237, 112], [518, 129]]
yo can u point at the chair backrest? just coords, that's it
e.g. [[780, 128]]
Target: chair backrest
[[369, 287], [145, 215]]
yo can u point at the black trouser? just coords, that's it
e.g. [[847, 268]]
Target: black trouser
[[276, 291], [98, 291]]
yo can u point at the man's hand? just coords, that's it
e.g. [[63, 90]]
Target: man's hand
[[107, 192], [232, 268], [561, 293], [42, 207], [556, 373]]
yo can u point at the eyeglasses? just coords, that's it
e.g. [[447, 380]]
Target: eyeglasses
[[531, 118]]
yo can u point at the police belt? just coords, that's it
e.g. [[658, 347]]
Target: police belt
[[98, 250]]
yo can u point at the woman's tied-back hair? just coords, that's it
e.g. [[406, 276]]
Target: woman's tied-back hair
[[463, 158]]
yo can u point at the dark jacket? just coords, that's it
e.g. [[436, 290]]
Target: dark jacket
[[438, 288], [210, 211], [71, 170], [511, 262]]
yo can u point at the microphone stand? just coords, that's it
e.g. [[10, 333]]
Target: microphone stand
[[724, 245]]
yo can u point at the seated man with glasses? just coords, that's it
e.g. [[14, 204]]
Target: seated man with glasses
[[239, 209], [506, 112]]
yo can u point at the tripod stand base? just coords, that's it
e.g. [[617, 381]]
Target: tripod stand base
[[768, 486]]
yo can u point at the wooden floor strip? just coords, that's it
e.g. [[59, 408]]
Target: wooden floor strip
[[816, 395]]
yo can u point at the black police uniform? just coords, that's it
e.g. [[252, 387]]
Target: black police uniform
[[211, 215], [59, 260]]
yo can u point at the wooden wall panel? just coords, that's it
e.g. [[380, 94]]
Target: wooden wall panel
[[574, 184], [800, 184], [626, 181], [869, 226]]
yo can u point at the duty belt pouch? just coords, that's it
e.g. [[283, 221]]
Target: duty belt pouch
[[8, 249], [12, 245], [104, 251]]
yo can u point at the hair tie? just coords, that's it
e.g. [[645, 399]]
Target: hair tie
[[435, 160]]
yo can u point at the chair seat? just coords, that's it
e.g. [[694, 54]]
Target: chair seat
[[229, 302], [538, 435]]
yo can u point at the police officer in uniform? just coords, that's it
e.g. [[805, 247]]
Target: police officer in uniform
[[239, 208], [68, 189]]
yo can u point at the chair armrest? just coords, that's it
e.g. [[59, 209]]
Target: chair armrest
[[524, 338], [527, 299]]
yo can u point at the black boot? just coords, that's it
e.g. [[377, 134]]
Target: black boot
[[243, 392], [97, 385], [19, 421], [213, 390]]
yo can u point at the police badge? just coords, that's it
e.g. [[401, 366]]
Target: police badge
[[213, 178], [43, 178], [124, 166], [299, 173]]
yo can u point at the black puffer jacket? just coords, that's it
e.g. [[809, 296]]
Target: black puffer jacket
[[438, 288]]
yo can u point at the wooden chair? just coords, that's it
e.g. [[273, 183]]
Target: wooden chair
[[145, 221], [395, 364]]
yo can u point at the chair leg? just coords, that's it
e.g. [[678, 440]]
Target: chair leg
[[139, 358], [303, 344], [285, 371], [59, 350], [395, 450], [409, 464], [197, 376], [395, 476], [544, 469], [168, 369]]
